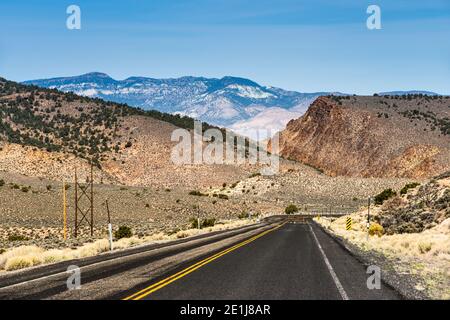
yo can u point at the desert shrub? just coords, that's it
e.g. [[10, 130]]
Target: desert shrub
[[376, 229], [173, 231], [223, 196], [2, 182], [182, 235], [444, 201], [256, 174], [208, 223], [203, 223], [291, 209], [16, 237], [49, 187], [424, 247], [16, 263], [243, 215], [384, 195], [194, 223], [196, 193], [25, 189], [408, 186], [123, 232]]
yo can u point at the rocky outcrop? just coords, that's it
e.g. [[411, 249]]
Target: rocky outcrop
[[361, 136]]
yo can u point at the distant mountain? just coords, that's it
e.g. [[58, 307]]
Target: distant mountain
[[404, 93], [223, 102]]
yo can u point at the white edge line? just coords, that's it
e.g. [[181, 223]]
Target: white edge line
[[330, 268]]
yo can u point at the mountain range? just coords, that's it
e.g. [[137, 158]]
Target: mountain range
[[236, 103], [409, 92], [232, 102]]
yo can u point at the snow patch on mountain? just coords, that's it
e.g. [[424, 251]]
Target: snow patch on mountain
[[225, 102], [250, 92], [266, 123]]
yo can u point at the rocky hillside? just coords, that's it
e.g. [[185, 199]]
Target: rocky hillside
[[421, 208], [46, 133], [379, 136]]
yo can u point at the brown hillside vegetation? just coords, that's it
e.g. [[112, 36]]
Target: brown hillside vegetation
[[48, 134], [388, 136]]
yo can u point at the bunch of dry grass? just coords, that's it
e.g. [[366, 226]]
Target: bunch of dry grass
[[29, 256], [21, 257], [425, 254]]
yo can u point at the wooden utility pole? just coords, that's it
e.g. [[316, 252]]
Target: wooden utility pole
[[76, 203]]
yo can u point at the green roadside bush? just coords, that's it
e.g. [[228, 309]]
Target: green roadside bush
[[208, 223], [409, 186], [203, 223], [123, 232], [291, 209], [380, 198], [17, 237]]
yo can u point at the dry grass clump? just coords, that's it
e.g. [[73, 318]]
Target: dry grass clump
[[21, 257], [432, 243], [29, 256], [426, 254]]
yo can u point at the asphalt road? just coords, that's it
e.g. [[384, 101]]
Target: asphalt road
[[292, 262]]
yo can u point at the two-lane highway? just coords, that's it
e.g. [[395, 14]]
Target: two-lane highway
[[292, 261]]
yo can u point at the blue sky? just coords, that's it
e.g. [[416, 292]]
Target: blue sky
[[320, 45]]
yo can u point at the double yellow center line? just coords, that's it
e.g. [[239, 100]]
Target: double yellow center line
[[161, 284]]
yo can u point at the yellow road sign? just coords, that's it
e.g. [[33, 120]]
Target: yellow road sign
[[348, 224]]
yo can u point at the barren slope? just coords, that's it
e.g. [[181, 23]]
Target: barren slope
[[372, 136]]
